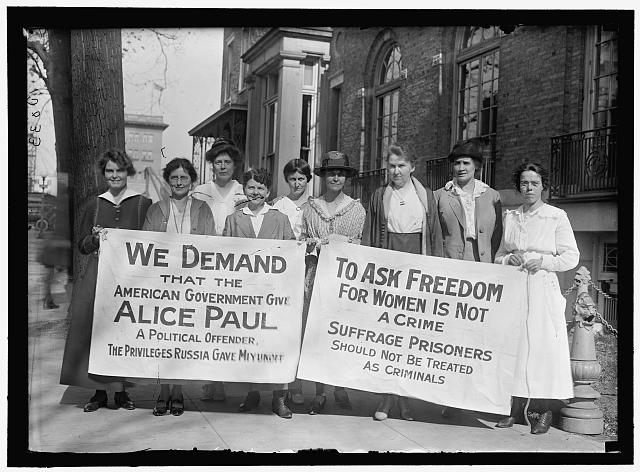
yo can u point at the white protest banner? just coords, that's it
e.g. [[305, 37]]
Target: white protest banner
[[173, 306], [441, 330]]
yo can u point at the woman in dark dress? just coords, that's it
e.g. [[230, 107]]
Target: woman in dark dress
[[178, 214], [118, 207], [402, 216]]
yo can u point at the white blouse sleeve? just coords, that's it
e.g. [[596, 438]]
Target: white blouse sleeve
[[502, 256], [568, 255]]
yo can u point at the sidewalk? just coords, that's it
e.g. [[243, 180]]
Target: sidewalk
[[58, 424]]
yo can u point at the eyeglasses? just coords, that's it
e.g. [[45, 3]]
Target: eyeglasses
[[182, 179]]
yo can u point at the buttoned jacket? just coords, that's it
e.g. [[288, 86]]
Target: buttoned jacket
[[488, 222]]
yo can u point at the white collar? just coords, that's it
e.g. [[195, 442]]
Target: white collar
[[479, 188], [263, 211], [128, 193], [407, 189]]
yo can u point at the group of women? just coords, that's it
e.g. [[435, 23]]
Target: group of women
[[462, 220]]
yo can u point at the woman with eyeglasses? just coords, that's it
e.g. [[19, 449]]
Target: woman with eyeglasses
[[222, 195], [538, 239], [178, 214]]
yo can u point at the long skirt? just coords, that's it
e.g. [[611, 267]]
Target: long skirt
[[543, 368], [75, 363]]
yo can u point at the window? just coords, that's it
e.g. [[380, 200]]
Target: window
[[478, 73], [387, 97], [305, 132], [227, 69], [610, 257], [244, 67], [335, 113], [605, 78], [270, 127], [478, 96]]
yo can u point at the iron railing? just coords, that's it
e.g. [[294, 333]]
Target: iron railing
[[609, 310], [439, 171], [583, 164], [365, 183]]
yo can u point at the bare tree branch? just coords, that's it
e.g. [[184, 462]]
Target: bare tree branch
[[39, 49], [37, 69]]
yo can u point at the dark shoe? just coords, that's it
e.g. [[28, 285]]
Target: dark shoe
[[382, 412], [296, 396], [405, 412], [97, 401], [122, 400], [317, 404], [506, 422], [250, 402], [176, 406], [278, 405], [161, 407], [49, 304], [516, 415], [543, 424], [341, 398]]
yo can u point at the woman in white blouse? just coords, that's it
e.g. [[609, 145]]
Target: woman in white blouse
[[297, 173], [222, 195], [223, 192], [538, 238], [402, 216]]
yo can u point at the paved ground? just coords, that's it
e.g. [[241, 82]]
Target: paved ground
[[57, 422]]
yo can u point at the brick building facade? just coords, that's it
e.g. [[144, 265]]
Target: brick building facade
[[545, 93], [542, 93]]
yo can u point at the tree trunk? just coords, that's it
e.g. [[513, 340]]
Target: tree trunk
[[98, 114]]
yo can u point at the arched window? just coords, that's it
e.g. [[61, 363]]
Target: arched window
[[388, 76]]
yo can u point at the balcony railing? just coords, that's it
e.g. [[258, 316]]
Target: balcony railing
[[583, 164]]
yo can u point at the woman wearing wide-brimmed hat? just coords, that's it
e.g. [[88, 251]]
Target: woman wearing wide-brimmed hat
[[334, 216], [470, 211], [402, 217]]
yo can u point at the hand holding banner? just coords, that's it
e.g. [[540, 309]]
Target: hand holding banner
[[441, 330], [191, 307]]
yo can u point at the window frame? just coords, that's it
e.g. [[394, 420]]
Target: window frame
[[227, 67], [590, 102], [380, 91]]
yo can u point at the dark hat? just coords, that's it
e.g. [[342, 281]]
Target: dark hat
[[335, 160], [469, 148]]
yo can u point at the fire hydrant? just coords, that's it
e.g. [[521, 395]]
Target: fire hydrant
[[582, 415]]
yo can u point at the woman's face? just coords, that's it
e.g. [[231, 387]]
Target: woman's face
[[223, 167], [399, 171], [297, 184], [531, 187], [116, 176], [335, 180], [180, 182], [464, 169], [256, 192]]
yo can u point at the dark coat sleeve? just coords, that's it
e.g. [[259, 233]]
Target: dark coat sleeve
[[372, 223], [496, 237], [146, 203], [153, 216], [437, 247], [286, 227], [86, 242], [206, 224]]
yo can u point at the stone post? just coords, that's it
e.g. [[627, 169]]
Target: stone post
[[582, 415]]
